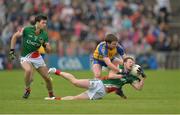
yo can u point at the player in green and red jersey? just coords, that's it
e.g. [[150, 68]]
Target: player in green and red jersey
[[97, 88], [32, 38]]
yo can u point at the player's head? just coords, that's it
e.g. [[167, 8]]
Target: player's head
[[111, 40], [129, 62], [41, 21]]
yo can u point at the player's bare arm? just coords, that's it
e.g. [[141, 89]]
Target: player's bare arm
[[113, 75], [14, 38], [124, 56], [110, 64]]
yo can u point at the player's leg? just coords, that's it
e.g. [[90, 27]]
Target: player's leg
[[97, 69], [82, 96], [82, 83], [28, 68], [120, 92], [43, 71]]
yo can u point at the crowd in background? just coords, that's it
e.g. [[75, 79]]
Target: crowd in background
[[76, 26]]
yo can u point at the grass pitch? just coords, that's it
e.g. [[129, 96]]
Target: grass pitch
[[160, 95]]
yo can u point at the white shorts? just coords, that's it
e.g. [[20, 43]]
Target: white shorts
[[36, 62], [96, 89]]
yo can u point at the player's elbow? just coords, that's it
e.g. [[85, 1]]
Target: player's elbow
[[138, 87], [16, 35]]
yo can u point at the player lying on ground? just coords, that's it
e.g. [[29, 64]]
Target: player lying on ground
[[96, 88]]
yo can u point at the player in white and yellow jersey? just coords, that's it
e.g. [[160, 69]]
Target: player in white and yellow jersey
[[104, 55]]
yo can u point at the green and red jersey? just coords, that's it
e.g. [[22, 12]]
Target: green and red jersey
[[31, 42], [114, 84]]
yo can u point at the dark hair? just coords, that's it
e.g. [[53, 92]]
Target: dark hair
[[40, 17], [110, 38], [128, 57]]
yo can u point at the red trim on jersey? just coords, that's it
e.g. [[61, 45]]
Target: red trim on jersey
[[35, 54], [111, 89]]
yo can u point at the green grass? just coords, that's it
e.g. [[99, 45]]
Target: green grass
[[161, 95]]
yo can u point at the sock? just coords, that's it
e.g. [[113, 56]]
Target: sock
[[28, 89], [57, 72], [51, 94]]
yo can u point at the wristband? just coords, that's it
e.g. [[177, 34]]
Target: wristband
[[12, 50]]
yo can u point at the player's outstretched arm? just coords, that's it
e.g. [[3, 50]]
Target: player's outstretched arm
[[13, 43], [114, 75], [110, 64]]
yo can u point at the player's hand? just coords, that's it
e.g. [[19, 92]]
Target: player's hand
[[120, 71], [12, 55], [44, 44], [141, 72]]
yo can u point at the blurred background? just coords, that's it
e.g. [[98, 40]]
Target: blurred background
[[147, 29]]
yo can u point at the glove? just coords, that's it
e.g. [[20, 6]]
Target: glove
[[141, 72], [12, 55]]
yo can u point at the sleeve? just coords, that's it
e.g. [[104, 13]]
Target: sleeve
[[103, 50], [46, 39], [120, 50]]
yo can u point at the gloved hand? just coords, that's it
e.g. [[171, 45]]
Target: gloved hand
[[12, 55], [141, 72]]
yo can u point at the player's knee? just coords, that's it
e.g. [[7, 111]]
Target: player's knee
[[72, 98], [47, 79], [28, 71], [75, 82]]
